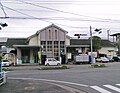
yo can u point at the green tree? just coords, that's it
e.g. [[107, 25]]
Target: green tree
[[96, 43]]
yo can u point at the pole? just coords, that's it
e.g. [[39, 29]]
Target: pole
[[91, 44], [108, 33]]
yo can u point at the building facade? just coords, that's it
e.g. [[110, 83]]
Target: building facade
[[50, 41]]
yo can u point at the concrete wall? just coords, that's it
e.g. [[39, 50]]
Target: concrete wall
[[108, 50], [34, 40], [67, 41]]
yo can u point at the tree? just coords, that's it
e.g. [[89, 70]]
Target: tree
[[96, 43]]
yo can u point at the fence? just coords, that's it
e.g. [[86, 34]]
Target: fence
[[2, 78]]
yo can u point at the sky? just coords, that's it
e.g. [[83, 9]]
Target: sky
[[26, 17]]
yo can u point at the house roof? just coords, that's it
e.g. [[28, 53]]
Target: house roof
[[115, 34], [2, 43], [105, 43], [52, 25], [79, 42], [15, 41]]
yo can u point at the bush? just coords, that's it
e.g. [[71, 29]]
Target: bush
[[53, 67], [98, 65], [5, 69]]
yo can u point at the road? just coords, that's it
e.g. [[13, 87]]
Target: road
[[80, 77]]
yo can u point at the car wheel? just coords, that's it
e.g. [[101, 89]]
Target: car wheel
[[47, 64], [58, 64]]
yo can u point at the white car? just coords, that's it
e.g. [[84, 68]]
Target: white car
[[52, 61], [5, 63], [102, 59]]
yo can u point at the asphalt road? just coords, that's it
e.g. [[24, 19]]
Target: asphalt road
[[79, 77]]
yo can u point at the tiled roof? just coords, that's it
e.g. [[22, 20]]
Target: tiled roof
[[79, 42], [105, 43], [15, 41]]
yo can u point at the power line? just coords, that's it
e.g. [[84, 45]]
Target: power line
[[3, 9], [59, 10], [37, 18], [53, 18], [107, 20], [64, 11]]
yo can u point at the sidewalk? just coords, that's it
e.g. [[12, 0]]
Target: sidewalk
[[27, 86]]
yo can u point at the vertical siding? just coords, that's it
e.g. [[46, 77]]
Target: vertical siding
[[44, 35]]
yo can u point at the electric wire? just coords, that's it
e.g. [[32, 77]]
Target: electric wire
[[38, 18], [59, 10], [3, 9]]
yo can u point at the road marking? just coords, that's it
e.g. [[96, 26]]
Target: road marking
[[112, 87], [99, 89], [56, 81]]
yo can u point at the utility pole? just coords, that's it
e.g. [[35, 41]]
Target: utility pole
[[108, 34], [91, 47], [91, 41]]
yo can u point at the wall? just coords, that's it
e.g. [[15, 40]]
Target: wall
[[67, 41], [34, 40], [108, 50]]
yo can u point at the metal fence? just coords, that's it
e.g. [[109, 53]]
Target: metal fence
[[2, 78]]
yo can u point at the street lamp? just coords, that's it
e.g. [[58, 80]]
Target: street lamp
[[91, 42]]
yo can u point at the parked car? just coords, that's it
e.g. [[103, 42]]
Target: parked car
[[116, 59], [5, 63], [102, 59], [52, 61]]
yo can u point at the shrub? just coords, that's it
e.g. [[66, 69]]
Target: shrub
[[98, 65], [53, 67]]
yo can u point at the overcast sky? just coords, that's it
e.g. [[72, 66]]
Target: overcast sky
[[75, 16]]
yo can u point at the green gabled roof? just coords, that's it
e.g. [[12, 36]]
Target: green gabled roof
[[15, 41], [105, 43], [79, 42]]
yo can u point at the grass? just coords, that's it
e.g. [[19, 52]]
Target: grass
[[53, 67], [5, 69], [98, 65]]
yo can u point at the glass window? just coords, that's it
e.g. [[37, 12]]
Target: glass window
[[55, 34], [49, 34]]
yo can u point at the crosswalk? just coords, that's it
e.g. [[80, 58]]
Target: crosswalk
[[107, 88]]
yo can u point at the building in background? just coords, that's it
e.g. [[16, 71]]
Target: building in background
[[117, 36], [51, 41]]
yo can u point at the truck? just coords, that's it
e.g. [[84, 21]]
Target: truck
[[82, 58]]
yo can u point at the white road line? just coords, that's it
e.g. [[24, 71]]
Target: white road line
[[56, 81], [118, 84], [99, 89], [112, 87]]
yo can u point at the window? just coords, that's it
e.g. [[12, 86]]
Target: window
[[49, 45], [55, 34], [49, 34], [62, 46], [43, 43]]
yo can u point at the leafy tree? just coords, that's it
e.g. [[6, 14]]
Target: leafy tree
[[96, 43]]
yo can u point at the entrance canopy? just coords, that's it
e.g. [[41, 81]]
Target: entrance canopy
[[26, 46]]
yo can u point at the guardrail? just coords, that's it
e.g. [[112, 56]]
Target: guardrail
[[2, 78]]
